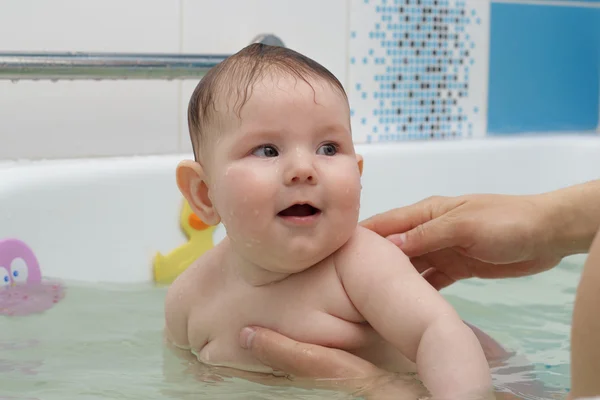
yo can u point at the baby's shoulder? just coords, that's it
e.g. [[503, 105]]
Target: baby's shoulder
[[365, 244], [201, 275], [363, 237], [191, 289], [198, 281]]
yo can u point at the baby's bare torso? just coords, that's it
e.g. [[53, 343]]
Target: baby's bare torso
[[213, 304]]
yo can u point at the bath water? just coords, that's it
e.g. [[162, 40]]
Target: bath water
[[105, 342]]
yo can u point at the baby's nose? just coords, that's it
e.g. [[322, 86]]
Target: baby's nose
[[301, 172], [303, 176]]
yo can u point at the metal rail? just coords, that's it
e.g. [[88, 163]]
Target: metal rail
[[98, 66]]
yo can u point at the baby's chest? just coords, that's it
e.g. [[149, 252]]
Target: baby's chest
[[311, 308]]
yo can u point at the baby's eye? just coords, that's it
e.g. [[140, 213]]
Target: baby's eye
[[266, 151], [327, 150]]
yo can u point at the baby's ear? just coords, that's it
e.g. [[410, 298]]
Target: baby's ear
[[360, 161], [191, 180]]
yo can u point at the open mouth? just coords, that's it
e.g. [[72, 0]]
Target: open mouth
[[299, 210]]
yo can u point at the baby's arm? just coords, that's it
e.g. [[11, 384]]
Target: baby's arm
[[399, 304]]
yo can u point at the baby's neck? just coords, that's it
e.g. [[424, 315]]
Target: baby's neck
[[252, 273]]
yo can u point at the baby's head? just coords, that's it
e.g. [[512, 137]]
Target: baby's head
[[275, 161]]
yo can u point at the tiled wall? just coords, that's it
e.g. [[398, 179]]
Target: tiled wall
[[435, 69], [416, 69], [105, 118]]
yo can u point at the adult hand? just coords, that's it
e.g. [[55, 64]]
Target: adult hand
[[484, 236], [309, 365], [326, 367]]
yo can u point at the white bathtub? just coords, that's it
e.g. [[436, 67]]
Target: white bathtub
[[102, 220]]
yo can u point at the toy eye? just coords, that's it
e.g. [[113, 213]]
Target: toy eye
[[4, 277], [19, 270]]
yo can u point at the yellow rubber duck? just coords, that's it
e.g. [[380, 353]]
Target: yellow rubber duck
[[200, 239]]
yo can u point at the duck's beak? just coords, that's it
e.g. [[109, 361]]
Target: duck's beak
[[196, 223]]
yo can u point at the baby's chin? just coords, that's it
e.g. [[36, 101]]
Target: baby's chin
[[291, 254], [297, 259]]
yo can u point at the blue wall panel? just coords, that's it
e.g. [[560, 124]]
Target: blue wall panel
[[544, 68]]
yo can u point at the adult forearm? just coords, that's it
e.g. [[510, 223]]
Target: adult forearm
[[574, 217], [585, 332]]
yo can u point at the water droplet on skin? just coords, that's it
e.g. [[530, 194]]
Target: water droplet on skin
[[248, 244], [245, 199], [255, 212]]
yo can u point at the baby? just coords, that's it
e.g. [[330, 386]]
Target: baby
[[275, 163]]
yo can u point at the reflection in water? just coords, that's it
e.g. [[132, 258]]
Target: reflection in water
[[30, 298]]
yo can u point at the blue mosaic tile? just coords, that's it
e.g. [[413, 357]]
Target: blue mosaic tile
[[415, 79]]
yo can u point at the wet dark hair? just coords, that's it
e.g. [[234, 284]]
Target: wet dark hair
[[235, 76]]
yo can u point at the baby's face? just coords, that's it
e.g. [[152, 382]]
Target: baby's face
[[285, 179]]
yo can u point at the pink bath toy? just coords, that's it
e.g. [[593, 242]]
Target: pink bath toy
[[22, 290]]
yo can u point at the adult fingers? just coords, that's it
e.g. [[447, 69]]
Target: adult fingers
[[437, 279], [422, 227], [431, 236], [456, 265], [403, 219], [304, 360], [444, 267]]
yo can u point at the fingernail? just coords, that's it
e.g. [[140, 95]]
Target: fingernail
[[246, 337], [397, 239]]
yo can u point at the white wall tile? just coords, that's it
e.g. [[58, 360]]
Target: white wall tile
[[315, 28], [91, 25], [185, 143], [87, 118]]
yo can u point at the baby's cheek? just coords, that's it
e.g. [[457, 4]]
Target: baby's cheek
[[348, 188], [245, 198]]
